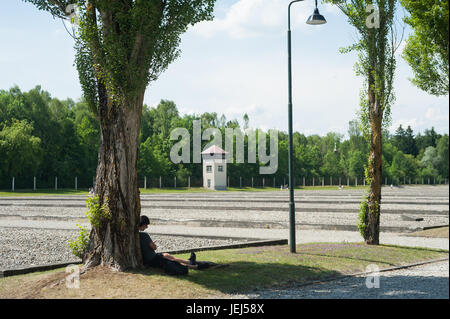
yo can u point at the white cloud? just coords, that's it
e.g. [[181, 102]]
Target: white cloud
[[252, 18], [435, 114]]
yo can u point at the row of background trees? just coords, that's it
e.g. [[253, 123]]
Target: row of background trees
[[45, 137]]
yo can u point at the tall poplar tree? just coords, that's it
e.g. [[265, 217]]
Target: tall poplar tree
[[122, 46], [376, 46]]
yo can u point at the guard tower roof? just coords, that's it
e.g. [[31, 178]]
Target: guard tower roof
[[214, 150]]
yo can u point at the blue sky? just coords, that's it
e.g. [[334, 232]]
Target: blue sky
[[233, 65]]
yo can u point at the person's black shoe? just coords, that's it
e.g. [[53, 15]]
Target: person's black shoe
[[193, 259]]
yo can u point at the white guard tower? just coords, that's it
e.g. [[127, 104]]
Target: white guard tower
[[214, 168]]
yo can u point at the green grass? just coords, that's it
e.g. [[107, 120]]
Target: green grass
[[50, 192], [174, 190], [249, 269], [265, 189]]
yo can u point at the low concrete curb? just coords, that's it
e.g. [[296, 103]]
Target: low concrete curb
[[433, 227], [233, 246], [27, 270]]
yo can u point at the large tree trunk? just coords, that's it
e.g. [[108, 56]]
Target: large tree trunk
[[115, 243]]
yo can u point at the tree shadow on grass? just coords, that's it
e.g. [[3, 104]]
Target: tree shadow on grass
[[241, 277]]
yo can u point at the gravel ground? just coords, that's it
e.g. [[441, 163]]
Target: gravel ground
[[180, 215], [430, 281], [31, 247], [26, 242], [14, 210], [323, 203]]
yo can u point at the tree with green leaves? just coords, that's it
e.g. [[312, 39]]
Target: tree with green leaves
[[429, 138], [442, 149], [426, 50], [122, 46], [21, 151], [376, 46], [399, 138], [403, 165], [411, 147], [430, 162], [356, 164], [165, 114], [331, 165], [404, 140]]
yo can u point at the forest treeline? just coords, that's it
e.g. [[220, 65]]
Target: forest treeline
[[45, 137]]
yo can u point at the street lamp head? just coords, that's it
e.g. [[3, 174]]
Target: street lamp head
[[316, 18]]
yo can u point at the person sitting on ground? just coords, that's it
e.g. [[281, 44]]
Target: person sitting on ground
[[154, 259]]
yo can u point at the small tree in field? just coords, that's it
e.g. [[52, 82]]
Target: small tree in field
[[122, 46]]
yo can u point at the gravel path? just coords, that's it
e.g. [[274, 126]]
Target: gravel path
[[262, 209], [31, 247], [430, 281], [188, 215]]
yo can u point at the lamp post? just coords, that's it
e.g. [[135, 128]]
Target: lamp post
[[315, 19]]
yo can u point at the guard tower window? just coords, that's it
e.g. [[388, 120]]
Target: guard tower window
[[209, 169], [220, 168]]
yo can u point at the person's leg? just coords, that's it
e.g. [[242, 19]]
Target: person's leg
[[157, 261], [180, 261]]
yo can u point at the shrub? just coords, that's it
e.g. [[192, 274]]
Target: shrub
[[95, 214], [79, 245]]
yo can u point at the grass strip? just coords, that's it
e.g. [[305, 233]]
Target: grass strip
[[249, 269]]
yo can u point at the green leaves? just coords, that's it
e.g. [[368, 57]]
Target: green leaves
[[79, 244], [97, 212], [122, 46], [21, 151], [427, 49], [56, 7], [362, 216], [132, 43], [84, 62], [46, 137]]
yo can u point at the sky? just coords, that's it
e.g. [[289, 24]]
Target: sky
[[233, 65]]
